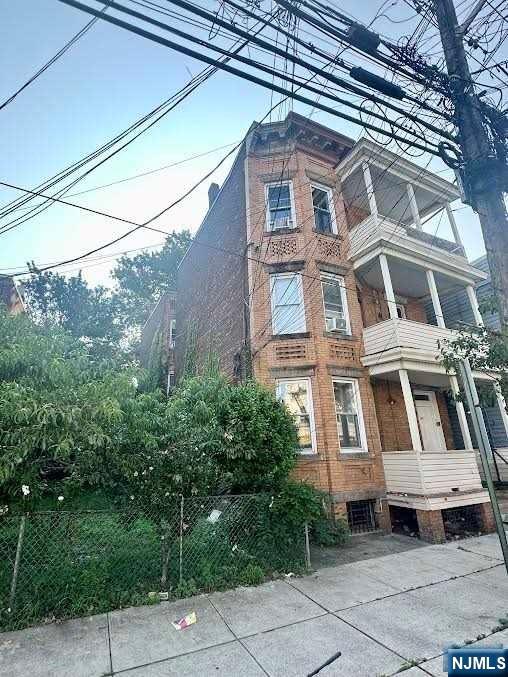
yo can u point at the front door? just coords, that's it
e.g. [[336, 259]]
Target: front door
[[429, 421]]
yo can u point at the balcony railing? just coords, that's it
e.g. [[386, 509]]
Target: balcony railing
[[370, 230], [407, 335], [431, 473]]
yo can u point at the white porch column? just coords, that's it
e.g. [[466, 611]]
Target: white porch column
[[502, 407], [410, 410], [461, 414], [370, 190], [387, 281], [471, 294], [453, 224], [414, 206], [436, 303]]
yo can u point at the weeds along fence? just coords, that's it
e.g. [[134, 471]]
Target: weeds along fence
[[61, 564]]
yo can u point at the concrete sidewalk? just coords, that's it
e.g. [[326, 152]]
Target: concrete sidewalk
[[382, 614]]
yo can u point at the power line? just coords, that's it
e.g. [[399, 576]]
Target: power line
[[242, 74], [54, 58]]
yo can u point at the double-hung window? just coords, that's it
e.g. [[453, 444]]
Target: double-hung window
[[335, 303], [296, 394], [280, 211], [288, 314], [322, 203], [348, 409], [172, 333]]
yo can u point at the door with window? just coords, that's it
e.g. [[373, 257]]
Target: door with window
[[429, 421]]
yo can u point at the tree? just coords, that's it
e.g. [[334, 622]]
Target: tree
[[72, 304], [70, 421], [143, 279], [59, 408], [107, 319]]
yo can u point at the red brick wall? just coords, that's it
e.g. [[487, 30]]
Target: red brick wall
[[347, 477], [392, 418], [211, 280]]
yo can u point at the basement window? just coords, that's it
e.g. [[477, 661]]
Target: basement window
[[361, 516]]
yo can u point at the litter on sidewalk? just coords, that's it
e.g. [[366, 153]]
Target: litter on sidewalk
[[184, 622]]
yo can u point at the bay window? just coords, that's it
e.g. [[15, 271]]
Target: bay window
[[322, 203], [288, 314], [335, 303], [348, 410], [280, 209], [296, 395]]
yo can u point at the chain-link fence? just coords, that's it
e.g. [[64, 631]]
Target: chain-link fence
[[64, 564]]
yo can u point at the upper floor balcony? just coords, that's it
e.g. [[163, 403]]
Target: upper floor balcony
[[388, 203]]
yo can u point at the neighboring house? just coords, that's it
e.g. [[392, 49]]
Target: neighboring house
[[457, 313], [11, 295], [156, 350], [311, 272]]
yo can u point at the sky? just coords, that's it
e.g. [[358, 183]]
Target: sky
[[105, 82]]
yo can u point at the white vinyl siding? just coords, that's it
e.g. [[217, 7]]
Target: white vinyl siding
[[335, 303], [348, 409], [280, 209], [288, 314], [296, 394]]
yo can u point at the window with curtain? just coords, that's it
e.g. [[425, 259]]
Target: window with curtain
[[288, 314], [349, 415], [280, 206], [296, 395]]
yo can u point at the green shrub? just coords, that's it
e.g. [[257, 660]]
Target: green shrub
[[252, 575], [329, 532]]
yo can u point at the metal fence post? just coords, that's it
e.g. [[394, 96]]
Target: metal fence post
[[15, 571], [181, 538], [307, 547], [484, 448]]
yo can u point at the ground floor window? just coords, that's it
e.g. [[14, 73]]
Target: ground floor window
[[297, 396], [361, 516], [348, 409]]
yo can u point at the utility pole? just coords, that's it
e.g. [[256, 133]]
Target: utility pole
[[484, 173]]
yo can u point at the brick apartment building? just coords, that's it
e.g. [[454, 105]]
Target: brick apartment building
[[311, 273]]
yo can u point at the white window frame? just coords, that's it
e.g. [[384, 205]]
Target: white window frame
[[340, 279], [267, 204], [402, 308], [172, 328], [299, 285], [303, 451], [331, 206], [361, 424]]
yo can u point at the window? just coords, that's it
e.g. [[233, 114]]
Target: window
[[170, 382], [324, 217], [172, 328], [335, 304], [401, 311], [348, 410], [288, 315], [280, 212], [361, 516], [296, 395]]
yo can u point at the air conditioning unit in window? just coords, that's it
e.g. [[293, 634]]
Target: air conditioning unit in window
[[336, 324], [286, 222]]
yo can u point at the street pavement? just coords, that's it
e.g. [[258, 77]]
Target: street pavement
[[384, 614]]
